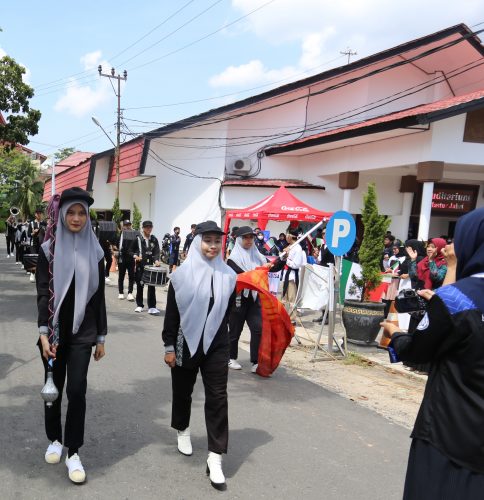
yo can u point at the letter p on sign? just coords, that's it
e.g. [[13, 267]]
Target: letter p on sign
[[340, 233]]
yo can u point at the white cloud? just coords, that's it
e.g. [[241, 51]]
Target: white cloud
[[324, 28], [80, 100]]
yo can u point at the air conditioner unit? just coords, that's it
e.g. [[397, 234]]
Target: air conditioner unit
[[241, 166]]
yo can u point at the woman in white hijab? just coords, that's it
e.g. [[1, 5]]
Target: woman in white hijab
[[78, 323], [196, 338], [245, 256]]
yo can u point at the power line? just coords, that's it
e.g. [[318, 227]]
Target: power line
[[225, 26]]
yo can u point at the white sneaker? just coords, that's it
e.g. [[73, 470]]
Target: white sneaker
[[254, 367], [235, 365], [12, 255], [32, 278], [53, 453], [138, 309], [184, 442], [121, 296], [22, 266], [76, 470], [214, 469], [107, 280], [130, 297], [153, 310], [8, 256]]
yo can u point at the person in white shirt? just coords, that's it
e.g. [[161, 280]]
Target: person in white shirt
[[296, 259]]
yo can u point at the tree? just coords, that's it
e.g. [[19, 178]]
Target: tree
[[370, 253], [21, 119], [63, 153], [137, 216], [19, 182], [117, 214]]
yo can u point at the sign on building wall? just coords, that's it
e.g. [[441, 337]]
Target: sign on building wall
[[454, 199]]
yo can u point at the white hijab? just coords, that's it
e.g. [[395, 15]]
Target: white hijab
[[76, 254], [247, 260], [192, 282]]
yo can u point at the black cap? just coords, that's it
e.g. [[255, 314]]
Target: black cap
[[147, 223], [39, 210], [293, 232], [242, 231], [126, 222], [208, 227], [75, 193]]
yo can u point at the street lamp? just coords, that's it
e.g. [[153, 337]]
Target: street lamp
[[116, 153]]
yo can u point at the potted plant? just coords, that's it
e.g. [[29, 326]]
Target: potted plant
[[362, 318]]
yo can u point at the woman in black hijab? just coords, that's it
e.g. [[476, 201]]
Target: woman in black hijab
[[447, 453]]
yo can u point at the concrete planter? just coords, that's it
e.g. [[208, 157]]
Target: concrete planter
[[362, 321]]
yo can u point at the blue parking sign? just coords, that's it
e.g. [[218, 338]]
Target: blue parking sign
[[340, 233]]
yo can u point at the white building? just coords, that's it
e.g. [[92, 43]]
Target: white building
[[410, 119]]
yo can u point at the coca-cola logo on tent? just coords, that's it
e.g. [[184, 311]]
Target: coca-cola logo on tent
[[295, 209]]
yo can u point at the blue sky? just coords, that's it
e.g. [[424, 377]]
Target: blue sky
[[258, 45]]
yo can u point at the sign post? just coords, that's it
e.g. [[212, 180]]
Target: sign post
[[340, 237]]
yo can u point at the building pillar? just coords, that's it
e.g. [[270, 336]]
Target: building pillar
[[428, 172], [346, 199], [347, 181], [408, 186]]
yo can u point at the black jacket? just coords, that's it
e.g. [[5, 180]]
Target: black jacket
[[95, 321], [149, 253], [171, 328], [451, 338]]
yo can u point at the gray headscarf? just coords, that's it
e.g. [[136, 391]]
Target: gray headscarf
[[192, 282], [76, 254]]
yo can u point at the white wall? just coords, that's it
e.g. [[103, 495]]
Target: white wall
[[104, 194]]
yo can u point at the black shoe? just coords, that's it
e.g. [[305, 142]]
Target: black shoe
[[318, 320]]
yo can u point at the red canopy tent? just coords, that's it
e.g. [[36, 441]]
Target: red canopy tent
[[280, 206]]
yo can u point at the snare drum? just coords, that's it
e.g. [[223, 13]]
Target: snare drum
[[30, 261], [154, 276]]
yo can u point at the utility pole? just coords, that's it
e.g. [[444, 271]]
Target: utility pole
[[118, 77], [348, 52]]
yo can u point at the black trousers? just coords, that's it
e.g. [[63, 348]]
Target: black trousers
[[17, 252], [126, 265], [249, 311], [140, 288], [73, 361], [109, 263], [10, 243], [214, 369]]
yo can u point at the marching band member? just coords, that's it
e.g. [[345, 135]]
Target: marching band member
[[196, 338], [125, 263], [80, 318], [245, 256], [188, 240], [20, 239], [36, 234], [174, 249], [10, 235], [146, 250]]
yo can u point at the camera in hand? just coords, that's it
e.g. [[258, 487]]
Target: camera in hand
[[408, 301]]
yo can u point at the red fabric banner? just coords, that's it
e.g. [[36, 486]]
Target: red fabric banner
[[277, 329]]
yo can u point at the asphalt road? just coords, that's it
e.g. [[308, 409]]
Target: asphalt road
[[289, 438]]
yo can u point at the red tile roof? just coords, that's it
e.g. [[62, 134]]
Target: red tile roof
[[417, 112], [288, 183], [74, 159], [129, 161]]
